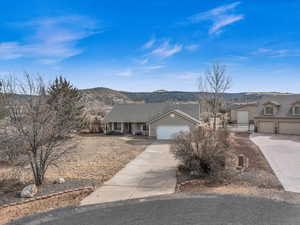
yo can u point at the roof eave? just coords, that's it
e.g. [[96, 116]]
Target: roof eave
[[190, 118]]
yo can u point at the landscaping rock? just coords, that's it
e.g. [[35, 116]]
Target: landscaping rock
[[27, 166], [60, 181], [29, 191]]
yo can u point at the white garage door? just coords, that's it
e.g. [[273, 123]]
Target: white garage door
[[242, 117], [289, 128], [266, 127], [169, 132]]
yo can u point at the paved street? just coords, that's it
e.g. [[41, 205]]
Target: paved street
[[283, 154], [175, 210], [152, 173]]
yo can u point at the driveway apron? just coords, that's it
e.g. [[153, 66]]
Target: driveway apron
[[283, 155]]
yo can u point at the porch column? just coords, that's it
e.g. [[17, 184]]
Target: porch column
[[122, 127]]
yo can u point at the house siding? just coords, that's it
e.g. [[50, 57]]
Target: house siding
[[250, 109]]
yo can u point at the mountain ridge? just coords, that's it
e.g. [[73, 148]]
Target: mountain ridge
[[105, 98]]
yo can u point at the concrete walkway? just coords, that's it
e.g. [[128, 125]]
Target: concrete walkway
[[152, 173], [283, 155]]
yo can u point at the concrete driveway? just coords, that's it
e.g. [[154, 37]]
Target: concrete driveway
[[152, 173], [283, 154]]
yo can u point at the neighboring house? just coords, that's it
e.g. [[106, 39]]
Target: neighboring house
[[243, 113], [278, 114], [160, 120]]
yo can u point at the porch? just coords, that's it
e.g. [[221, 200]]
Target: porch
[[127, 128]]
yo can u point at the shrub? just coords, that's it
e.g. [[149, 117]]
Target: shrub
[[12, 147], [202, 151], [95, 125], [113, 132]]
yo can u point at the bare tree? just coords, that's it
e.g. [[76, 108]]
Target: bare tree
[[212, 87], [202, 151], [34, 123]]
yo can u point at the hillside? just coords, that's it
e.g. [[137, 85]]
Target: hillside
[[101, 100], [104, 98]]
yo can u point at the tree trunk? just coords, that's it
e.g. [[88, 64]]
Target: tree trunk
[[215, 122], [39, 178], [38, 174]]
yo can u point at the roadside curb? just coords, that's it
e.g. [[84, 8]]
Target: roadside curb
[[182, 184]]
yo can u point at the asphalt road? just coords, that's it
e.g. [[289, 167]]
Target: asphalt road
[[175, 210]]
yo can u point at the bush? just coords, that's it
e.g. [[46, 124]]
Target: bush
[[202, 151], [12, 148], [95, 125], [113, 132]]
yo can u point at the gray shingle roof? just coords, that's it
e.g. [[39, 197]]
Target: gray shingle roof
[[284, 102], [146, 112], [241, 105]]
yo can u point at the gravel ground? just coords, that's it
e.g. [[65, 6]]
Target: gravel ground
[[274, 194], [14, 212], [94, 160], [45, 189], [258, 179]]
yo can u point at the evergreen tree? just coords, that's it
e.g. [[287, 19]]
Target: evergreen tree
[[66, 101]]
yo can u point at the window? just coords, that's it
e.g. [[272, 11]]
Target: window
[[297, 110], [117, 126], [269, 110], [241, 161]]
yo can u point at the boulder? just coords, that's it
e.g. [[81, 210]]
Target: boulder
[[27, 166], [29, 191], [60, 181]]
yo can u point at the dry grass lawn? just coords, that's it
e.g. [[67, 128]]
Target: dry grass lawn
[[98, 158], [94, 160]]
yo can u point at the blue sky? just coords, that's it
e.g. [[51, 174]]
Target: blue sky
[[158, 44]]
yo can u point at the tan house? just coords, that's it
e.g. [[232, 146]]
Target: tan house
[[278, 114], [243, 113], [160, 120]]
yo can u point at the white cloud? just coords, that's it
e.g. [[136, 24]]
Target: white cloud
[[220, 17], [166, 50], [224, 21], [125, 73], [192, 47], [276, 52], [10, 50], [153, 67], [149, 43], [53, 39], [142, 61], [214, 12], [263, 50]]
